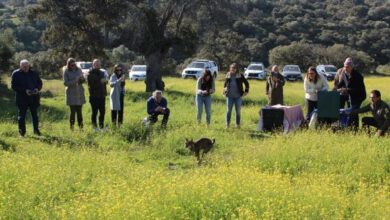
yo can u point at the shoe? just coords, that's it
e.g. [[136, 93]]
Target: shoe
[[21, 135], [96, 129], [37, 132], [238, 126]]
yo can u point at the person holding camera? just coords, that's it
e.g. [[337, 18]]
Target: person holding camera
[[158, 105], [97, 81], [205, 86], [26, 83], [274, 87], [74, 91], [117, 94]]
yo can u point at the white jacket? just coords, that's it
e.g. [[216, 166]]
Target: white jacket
[[311, 89]]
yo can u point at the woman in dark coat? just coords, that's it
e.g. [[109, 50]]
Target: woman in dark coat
[[274, 87]]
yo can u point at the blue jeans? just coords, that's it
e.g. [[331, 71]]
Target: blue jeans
[[200, 101], [354, 118], [237, 103]]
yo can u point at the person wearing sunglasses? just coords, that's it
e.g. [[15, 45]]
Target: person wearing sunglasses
[[117, 94], [74, 91], [380, 111]]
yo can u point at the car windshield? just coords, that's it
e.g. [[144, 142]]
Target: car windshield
[[196, 65], [138, 68], [291, 68], [330, 69], [85, 65], [255, 67]]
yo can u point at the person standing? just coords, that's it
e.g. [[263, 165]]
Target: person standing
[[350, 83], [117, 94], [274, 87], [380, 111], [205, 86], [74, 92], [313, 83], [97, 81], [26, 83], [158, 105], [234, 91]]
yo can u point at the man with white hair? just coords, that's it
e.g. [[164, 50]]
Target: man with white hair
[[97, 81], [158, 105], [350, 83], [26, 83]]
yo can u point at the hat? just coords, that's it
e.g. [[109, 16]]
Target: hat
[[348, 62]]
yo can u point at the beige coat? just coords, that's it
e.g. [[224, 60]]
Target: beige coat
[[74, 89]]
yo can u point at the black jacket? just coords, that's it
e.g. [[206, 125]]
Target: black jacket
[[21, 81], [380, 111], [96, 88], [240, 81], [356, 88]]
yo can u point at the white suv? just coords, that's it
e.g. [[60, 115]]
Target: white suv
[[329, 71], [196, 69], [292, 72], [255, 71], [84, 66], [137, 72]]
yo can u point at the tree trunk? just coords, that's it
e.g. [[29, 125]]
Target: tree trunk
[[153, 72]]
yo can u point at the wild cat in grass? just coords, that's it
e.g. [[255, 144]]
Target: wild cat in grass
[[203, 144]]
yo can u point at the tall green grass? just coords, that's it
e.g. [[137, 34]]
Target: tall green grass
[[137, 173]]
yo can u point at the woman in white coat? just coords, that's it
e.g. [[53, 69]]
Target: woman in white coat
[[313, 83], [117, 94]]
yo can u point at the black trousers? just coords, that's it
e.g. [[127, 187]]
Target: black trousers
[[22, 111], [311, 105], [154, 117], [369, 121], [117, 116], [98, 105], [344, 100], [76, 110]]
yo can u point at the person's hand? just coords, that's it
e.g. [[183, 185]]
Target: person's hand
[[245, 93], [103, 80], [35, 91], [122, 78], [379, 133], [28, 92], [158, 109]]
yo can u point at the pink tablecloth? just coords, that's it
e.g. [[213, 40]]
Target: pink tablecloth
[[293, 117]]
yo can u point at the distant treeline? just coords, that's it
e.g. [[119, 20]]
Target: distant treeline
[[303, 32]]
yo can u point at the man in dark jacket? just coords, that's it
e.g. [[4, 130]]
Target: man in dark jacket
[[97, 81], [350, 83], [380, 112], [27, 84], [158, 105]]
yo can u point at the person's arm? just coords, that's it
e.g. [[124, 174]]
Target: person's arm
[[164, 103], [281, 79], [67, 81], [150, 106], [198, 90], [245, 81], [307, 88], [364, 109], [357, 88], [325, 85], [212, 87], [267, 85], [113, 80], [39, 82], [15, 83]]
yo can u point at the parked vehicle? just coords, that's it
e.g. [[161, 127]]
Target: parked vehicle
[[84, 66], [255, 71], [137, 72], [292, 72], [196, 69], [329, 71]]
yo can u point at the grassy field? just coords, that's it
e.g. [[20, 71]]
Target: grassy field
[[136, 173]]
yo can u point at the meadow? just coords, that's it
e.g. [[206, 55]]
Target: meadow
[[137, 173]]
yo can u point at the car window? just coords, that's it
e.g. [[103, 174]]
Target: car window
[[138, 68], [330, 69], [255, 67], [85, 65], [197, 65], [291, 68]]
